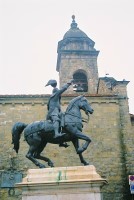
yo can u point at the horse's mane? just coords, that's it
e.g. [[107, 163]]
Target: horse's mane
[[72, 102]]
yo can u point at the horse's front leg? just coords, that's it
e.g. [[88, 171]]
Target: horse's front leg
[[76, 145], [82, 159], [72, 128], [80, 135]]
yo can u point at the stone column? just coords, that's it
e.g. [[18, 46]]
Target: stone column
[[62, 183]]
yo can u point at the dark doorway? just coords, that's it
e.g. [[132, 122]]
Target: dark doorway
[[80, 82]]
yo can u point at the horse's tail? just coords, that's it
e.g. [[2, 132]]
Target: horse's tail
[[17, 129]]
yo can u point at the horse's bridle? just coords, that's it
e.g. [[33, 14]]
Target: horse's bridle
[[83, 119]]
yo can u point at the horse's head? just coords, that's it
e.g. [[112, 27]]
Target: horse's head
[[84, 105], [78, 103]]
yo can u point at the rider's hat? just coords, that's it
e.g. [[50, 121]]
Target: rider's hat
[[52, 83]]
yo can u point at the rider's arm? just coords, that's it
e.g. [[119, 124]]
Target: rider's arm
[[65, 87]]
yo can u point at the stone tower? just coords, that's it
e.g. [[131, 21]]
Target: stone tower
[[77, 59]]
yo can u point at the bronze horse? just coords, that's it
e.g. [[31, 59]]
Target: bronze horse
[[39, 133]]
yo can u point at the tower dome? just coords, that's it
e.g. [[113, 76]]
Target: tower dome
[[74, 34], [77, 60], [74, 31]]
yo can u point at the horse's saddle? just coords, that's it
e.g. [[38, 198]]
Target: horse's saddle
[[34, 127]]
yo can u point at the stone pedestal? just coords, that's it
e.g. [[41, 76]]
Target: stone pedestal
[[62, 183]]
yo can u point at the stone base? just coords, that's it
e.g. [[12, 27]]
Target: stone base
[[62, 183]]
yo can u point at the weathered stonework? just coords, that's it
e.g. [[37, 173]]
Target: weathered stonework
[[109, 128]]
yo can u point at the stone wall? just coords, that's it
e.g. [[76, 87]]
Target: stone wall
[[109, 129], [119, 88], [72, 63]]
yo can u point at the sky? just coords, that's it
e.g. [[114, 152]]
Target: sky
[[30, 31]]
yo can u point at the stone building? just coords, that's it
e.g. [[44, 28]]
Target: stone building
[[110, 127]]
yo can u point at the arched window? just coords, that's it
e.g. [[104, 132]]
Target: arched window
[[80, 82]]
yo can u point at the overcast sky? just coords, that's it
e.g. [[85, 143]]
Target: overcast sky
[[30, 31]]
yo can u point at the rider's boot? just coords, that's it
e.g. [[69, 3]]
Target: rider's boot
[[56, 129]]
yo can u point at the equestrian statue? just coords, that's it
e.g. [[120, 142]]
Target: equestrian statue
[[58, 128]]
